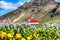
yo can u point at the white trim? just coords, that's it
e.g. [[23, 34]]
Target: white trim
[[33, 23]]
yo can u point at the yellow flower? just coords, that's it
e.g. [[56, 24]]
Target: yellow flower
[[3, 34], [11, 31], [0, 34], [23, 39], [18, 36], [36, 35], [9, 35], [29, 38], [30, 35]]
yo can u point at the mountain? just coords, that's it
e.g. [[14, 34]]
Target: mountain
[[42, 10]]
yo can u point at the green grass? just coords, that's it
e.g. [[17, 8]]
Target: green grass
[[47, 18]]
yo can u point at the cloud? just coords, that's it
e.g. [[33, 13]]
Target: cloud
[[7, 5], [10, 5], [20, 3]]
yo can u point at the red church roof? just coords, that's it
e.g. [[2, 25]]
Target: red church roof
[[33, 21]]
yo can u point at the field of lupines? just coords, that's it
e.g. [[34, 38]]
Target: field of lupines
[[29, 32]]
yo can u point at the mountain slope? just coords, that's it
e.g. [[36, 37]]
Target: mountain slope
[[36, 9]]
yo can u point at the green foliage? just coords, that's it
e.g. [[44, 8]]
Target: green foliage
[[47, 33]]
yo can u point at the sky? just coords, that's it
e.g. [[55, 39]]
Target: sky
[[7, 6], [57, 0], [10, 5]]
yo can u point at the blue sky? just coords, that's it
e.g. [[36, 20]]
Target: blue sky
[[10, 5], [57, 0]]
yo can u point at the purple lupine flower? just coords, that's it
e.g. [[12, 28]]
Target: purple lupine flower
[[1, 24], [30, 25], [48, 25], [14, 25], [34, 27]]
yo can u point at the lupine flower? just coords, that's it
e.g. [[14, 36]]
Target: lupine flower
[[1, 24], [48, 25], [34, 27], [14, 25]]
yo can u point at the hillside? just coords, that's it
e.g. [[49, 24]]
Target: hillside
[[42, 10]]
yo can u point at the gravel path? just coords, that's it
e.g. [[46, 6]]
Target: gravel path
[[21, 15]]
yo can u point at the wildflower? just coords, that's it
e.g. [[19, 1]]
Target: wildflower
[[34, 27], [23, 39], [12, 32], [29, 38], [3, 34], [14, 25], [18, 35], [9, 35], [30, 35], [0, 34], [48, 25], [36, 35]]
